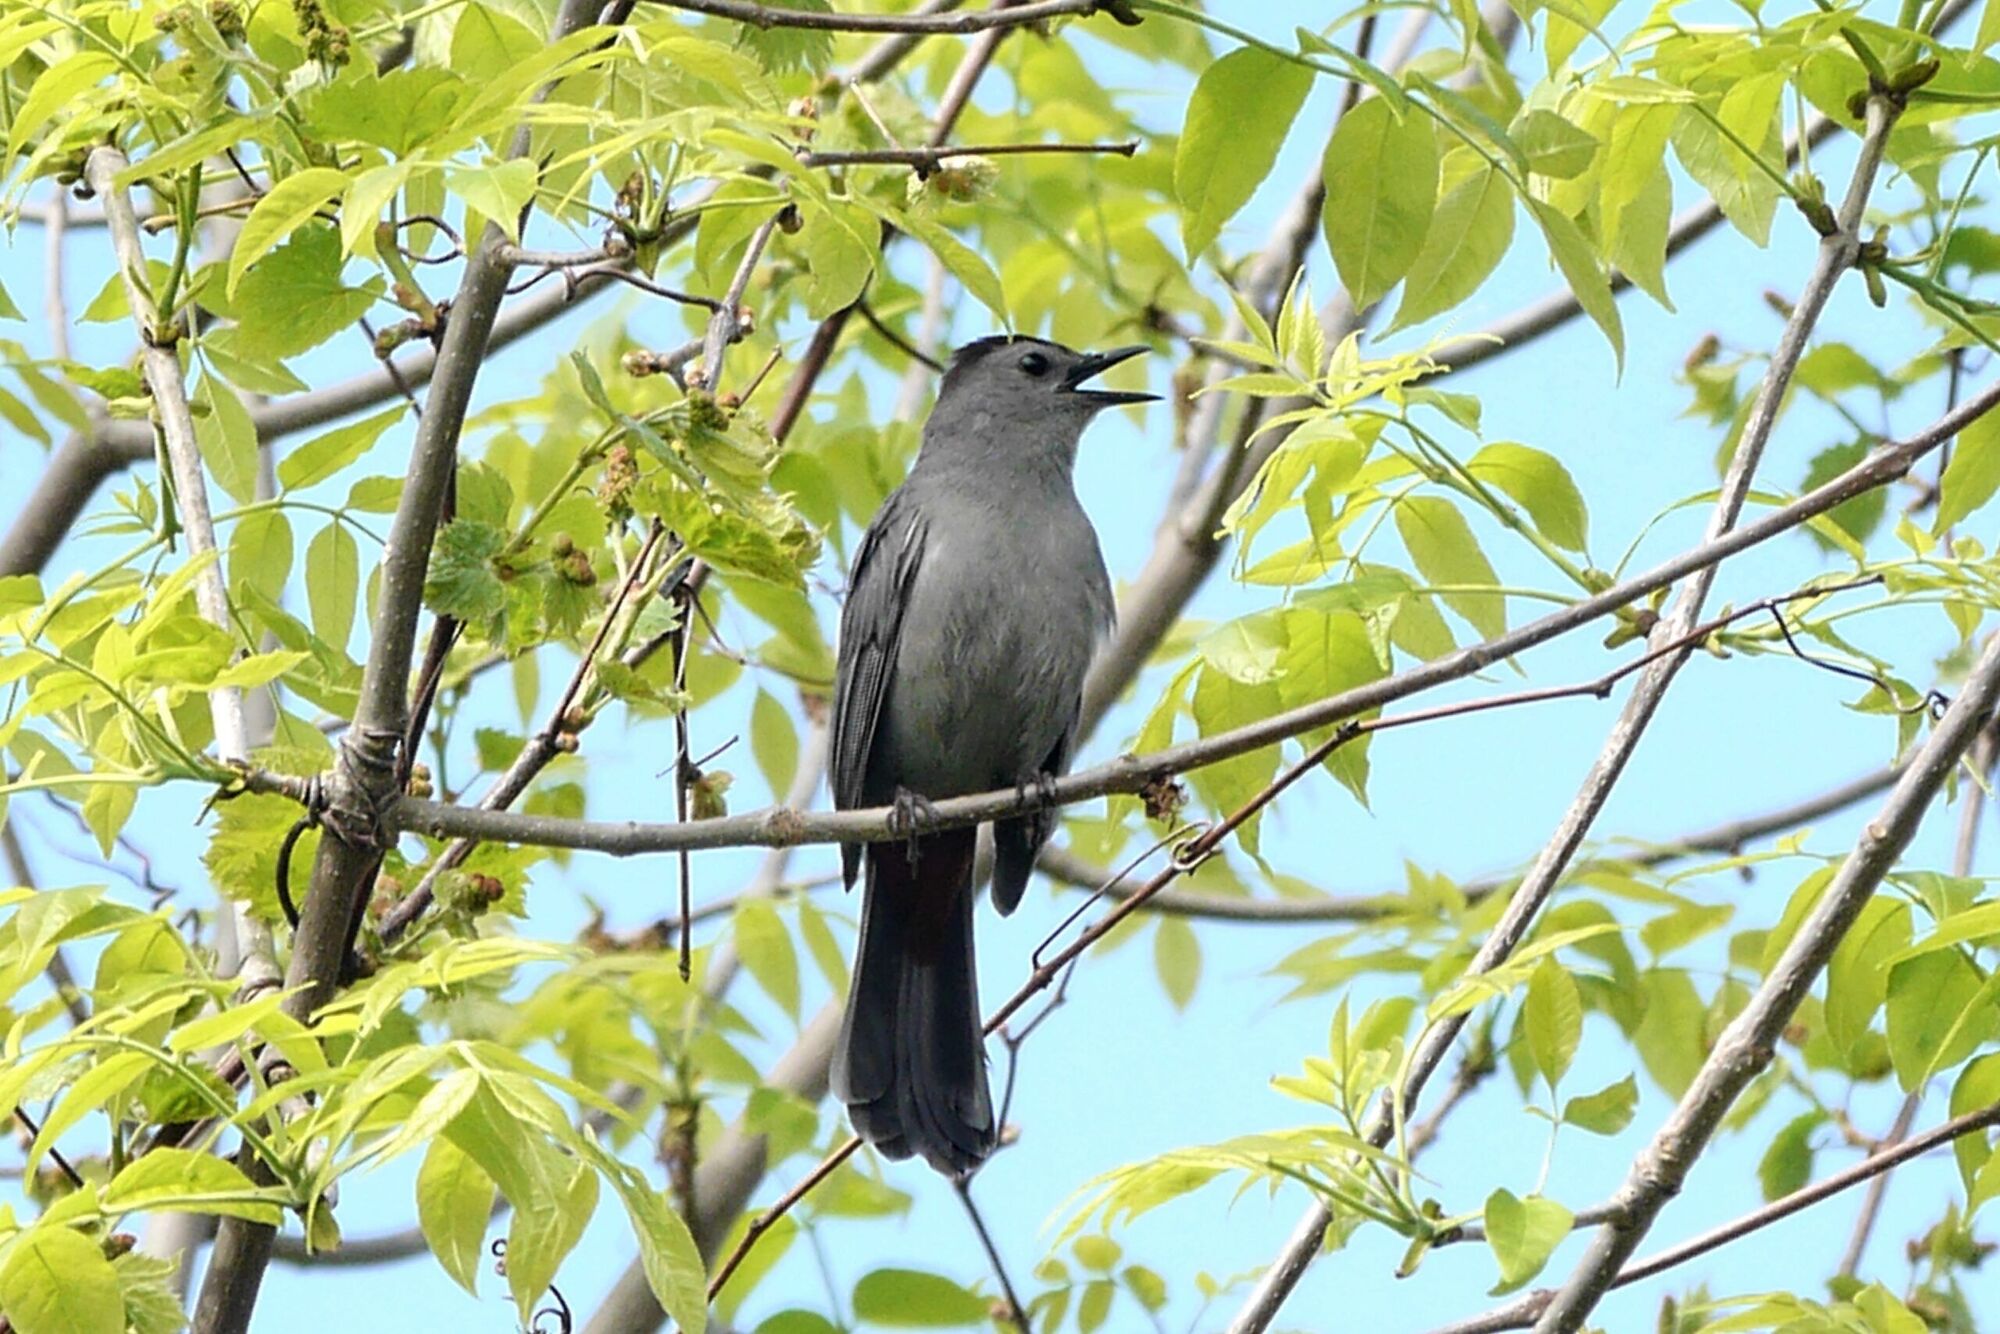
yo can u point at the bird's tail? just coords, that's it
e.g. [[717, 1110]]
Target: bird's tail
[[910, 1062]]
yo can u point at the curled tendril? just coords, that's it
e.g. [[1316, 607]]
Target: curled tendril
[[564, 1318]]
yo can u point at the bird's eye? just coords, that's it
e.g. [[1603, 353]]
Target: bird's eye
[[1034, 363]]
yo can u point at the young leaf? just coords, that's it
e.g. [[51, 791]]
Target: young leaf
[[333, 576], [1553, 1019], [57, 1281], [913, 1299], [1446, 553], [282, 211], [1522, 1233], [1605, 1112], [1177, 959], [455, 1208], [1236, 122], [228, 439], [766, 950], [323, 456], [1465, 243], [1583, 273], [1541, 485], [1973, 474], [1381, 177]]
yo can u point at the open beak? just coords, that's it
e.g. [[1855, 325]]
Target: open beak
[[1096, 363]]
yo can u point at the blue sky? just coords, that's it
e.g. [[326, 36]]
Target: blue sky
[[1119, 1074]]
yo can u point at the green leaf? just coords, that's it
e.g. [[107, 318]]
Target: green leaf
[[1632, 159], [283, 210], [1381, 177], [914, 1299], [840, 249], [1555, 147], [1977, 1087], [1605, 1112], [1466, 241], [486, 42], [1446, 553], [1177, 959], [1973, 474], [1857, 978], [1523, 1233], [498, 190], [228, 439], [333, 577], [545, 1229], [455, 1208], [57, 1281], [960, 260], [766, 950], [1669, 1037], [60, 86], [260, 552], [181, 1176], [1237, 118], [1940, 1009], [775, 744], [1220, 704], [462, 582], [323, 456], [1553, 1019], [1541, 485], [1787, 1162], [295, 299], [1859, 517], [1583, 273]]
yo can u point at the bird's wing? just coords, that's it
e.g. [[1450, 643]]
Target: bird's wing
[[870, 627]]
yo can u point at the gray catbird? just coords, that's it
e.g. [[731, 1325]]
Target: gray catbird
[[977, 598]]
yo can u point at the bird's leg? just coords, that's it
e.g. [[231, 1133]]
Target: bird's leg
[[908, 814]]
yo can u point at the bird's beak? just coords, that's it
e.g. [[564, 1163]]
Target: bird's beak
[[1096, 363]]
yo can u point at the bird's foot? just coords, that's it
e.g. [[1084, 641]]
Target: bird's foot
[[1043, 784], [908, 814]]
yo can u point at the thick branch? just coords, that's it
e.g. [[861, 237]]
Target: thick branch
[[1729, 836]]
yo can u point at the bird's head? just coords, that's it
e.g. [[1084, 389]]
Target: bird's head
[[1022, 393]]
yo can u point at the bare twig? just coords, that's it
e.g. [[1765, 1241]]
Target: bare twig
[[927, 160], [915, 24], [1015, 1314]]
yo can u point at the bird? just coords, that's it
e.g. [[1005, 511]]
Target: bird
[[975, 603]]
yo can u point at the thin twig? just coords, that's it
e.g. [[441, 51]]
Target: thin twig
[[927, 160], [1015, 1314], [916, 24]]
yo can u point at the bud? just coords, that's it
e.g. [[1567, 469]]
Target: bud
[[1912, 77], [1702, 354]]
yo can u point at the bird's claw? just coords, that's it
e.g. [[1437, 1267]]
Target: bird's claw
[[908, 814], [1044, 785]]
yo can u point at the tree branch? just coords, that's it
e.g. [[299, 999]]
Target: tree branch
[[1835, 257], [916, 24], [927, 160], [1731, 836], [1129, 774]]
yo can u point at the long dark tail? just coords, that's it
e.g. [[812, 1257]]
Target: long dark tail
[[911, 1060]]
